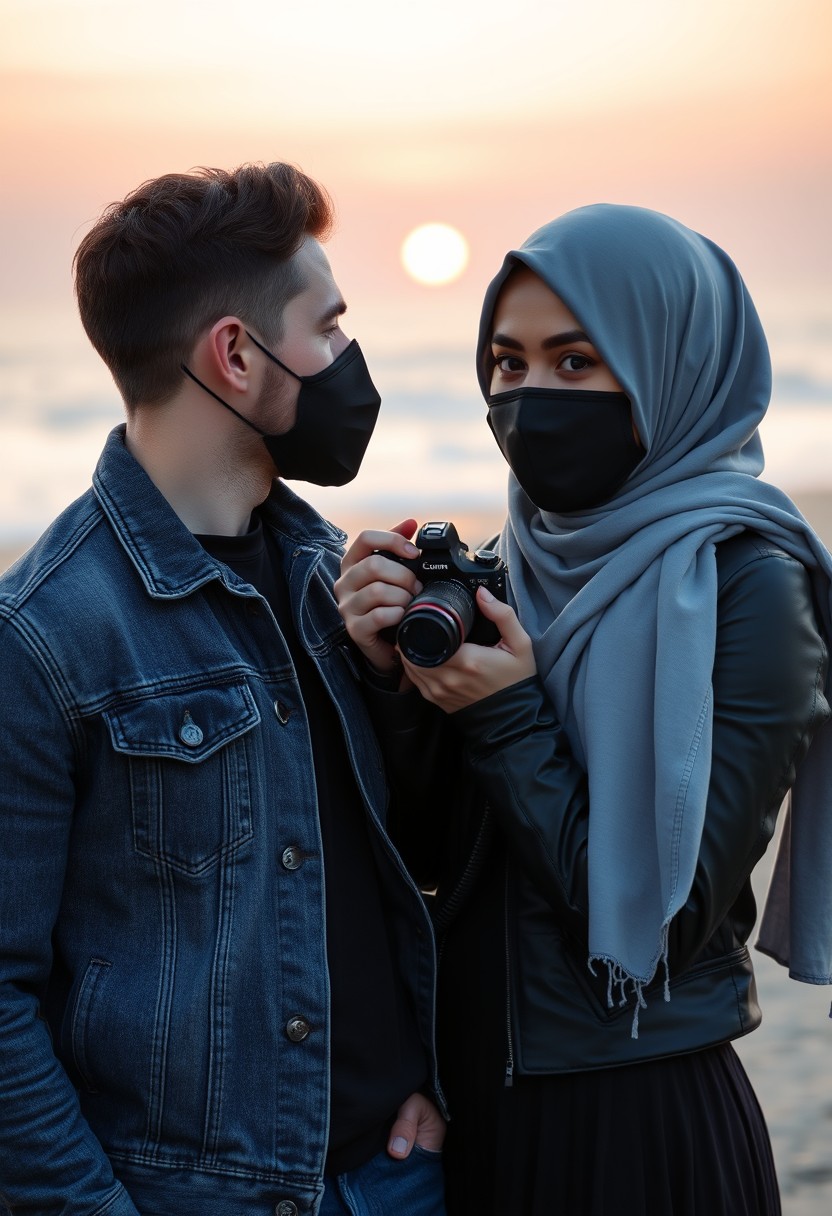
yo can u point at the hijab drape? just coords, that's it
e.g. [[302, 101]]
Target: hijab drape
[[620, 600]]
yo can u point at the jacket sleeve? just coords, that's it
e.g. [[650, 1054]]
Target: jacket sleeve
[[421, 751], [768, 681], [51, 1164], [524, 768]]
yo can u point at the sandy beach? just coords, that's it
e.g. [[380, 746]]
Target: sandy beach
[[789, 1060], [790, 1057]]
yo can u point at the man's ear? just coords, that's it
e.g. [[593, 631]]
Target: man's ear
[[228, 355]]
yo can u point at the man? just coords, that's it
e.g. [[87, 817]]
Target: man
[[216, 976]]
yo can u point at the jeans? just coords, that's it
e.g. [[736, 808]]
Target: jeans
[[385, 1185]]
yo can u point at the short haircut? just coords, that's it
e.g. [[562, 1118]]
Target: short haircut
[[183, 250]]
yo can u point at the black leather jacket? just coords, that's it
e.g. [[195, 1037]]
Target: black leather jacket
[[519, 790]]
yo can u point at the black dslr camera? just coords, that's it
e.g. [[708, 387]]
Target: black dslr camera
[[444, 614]]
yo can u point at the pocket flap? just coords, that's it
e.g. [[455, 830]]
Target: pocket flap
[[185, 726]]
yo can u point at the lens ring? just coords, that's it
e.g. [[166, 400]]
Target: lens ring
[[436, 623]]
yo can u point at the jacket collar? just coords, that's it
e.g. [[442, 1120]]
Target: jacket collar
[[168, 558]]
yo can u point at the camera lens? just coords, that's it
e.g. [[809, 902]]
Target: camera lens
[[436, 623]]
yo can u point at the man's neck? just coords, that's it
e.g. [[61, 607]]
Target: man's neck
[[212, 477]]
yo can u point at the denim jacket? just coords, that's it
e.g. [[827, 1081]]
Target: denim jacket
[[163, 977]]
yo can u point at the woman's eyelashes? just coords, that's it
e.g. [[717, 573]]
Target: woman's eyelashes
[[571, 363], [576, 363], [509, 365]]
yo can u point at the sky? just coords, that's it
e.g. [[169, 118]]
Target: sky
[[492, 117]]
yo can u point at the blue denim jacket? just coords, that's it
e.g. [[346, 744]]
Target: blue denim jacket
[[161, 885]]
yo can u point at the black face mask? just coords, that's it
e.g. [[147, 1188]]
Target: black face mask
[[568, 449], [336, 413]]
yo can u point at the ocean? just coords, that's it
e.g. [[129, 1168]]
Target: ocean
[[432, 455]]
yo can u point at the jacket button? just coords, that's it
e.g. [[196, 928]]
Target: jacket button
[[189, 732], [298, 1029], [292, 858], [282, 712], [286, 1208]]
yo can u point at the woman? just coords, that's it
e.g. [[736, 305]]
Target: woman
[[628, 742]]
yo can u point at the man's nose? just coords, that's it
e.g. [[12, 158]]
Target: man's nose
[[339, 343]]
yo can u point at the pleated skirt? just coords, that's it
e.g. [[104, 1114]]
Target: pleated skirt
[[678, 1136], [683, 1136]]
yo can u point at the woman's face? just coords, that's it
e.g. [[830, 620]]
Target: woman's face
[[537, 343]]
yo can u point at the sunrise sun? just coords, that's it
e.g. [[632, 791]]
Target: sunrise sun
[[434, 254]]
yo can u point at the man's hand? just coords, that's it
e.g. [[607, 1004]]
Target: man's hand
[[475, 672], [373, 592], [417, 1122]]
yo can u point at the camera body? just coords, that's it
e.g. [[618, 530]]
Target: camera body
[[445, 614]]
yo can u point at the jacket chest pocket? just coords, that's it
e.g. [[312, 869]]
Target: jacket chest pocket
[[190, 773]]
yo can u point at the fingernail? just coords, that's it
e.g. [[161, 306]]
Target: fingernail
[[411, 550], [486, 594], [399, 1144]]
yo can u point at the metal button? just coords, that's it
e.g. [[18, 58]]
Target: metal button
[[298, 1029], [292, 858], [189, 732], [286, 1208], [283, 712]]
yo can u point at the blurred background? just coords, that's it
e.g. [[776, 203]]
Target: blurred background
[[488, 117], [491, 118]]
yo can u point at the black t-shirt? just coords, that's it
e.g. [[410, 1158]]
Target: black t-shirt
[[377, 1058]]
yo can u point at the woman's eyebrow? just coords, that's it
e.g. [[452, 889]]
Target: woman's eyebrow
[[564, 339], [504, 340]]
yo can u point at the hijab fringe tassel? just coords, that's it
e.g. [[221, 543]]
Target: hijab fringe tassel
[[619, 978]]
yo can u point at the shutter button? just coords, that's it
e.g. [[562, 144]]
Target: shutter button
[[298, 1029], [189, 732]]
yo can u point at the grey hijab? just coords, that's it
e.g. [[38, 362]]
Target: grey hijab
[[620, 600]]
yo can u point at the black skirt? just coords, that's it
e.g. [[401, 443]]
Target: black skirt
[[679, 1136]]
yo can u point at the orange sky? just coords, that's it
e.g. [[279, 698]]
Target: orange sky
[[493, 117], [488, 115]]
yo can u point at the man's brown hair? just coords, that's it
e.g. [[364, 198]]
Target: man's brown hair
[[183, 250]]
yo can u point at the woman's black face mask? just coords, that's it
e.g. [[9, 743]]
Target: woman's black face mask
[[569, 450]]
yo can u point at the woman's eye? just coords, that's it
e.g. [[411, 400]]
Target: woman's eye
[[575, 363], [510, 363]]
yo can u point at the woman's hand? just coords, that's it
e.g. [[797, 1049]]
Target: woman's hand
[[475, 672], [373, 591]]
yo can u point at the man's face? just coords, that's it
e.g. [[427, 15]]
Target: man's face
[[312, 337]]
